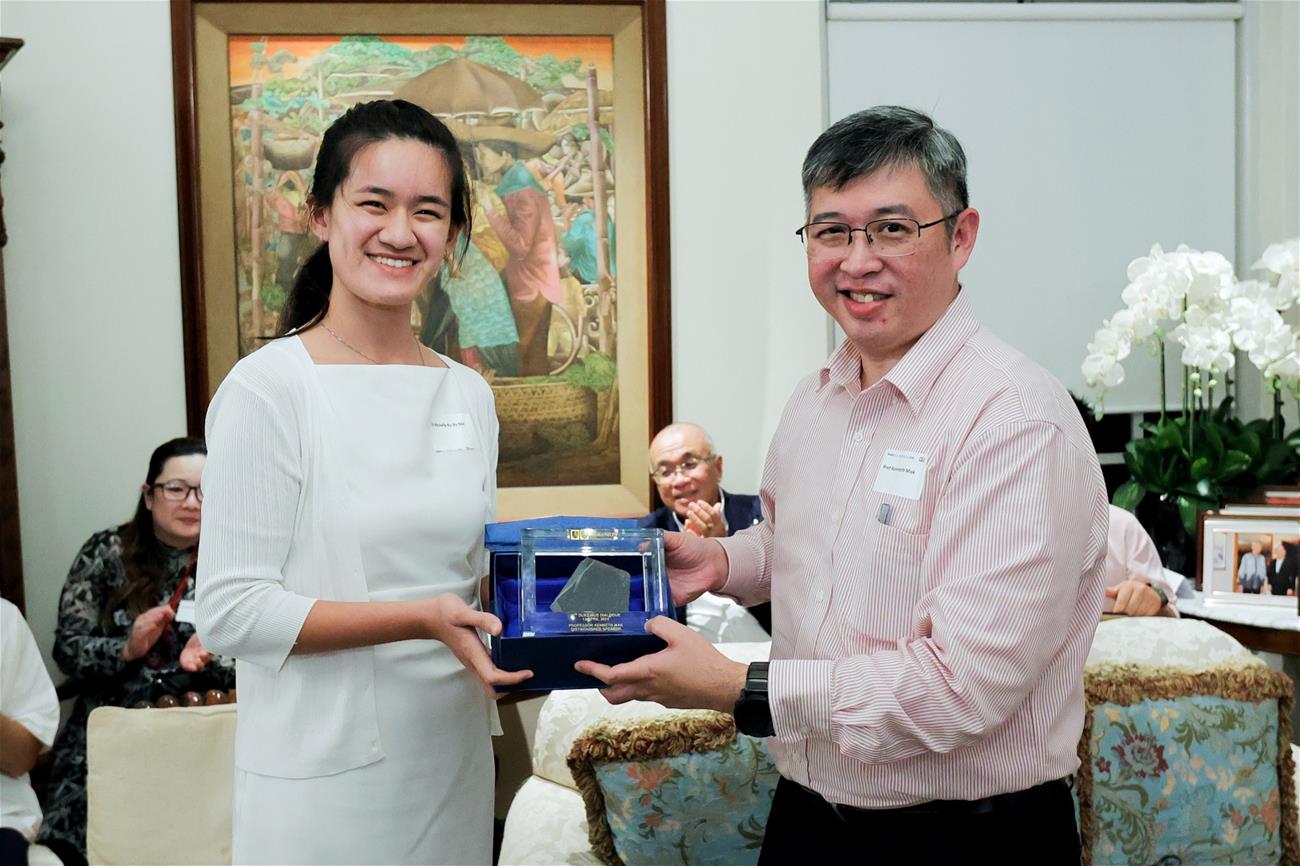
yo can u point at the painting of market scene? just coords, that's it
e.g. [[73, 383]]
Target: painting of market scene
[[533, 304]]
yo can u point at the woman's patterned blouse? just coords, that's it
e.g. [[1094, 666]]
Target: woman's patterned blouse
[[90, 651]]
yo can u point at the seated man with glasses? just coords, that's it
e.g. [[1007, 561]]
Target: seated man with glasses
[[687, 470], [933, 544]]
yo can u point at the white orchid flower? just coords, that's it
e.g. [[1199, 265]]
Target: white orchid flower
[[1280, 267], [1101, 370], [1109, 340]]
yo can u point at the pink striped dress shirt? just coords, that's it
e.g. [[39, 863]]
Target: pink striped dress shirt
[[936, 652]]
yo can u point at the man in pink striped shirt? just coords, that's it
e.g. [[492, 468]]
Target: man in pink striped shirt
[[933, 544]]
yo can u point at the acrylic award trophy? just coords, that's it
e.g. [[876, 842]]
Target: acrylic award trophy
[[580, 593]]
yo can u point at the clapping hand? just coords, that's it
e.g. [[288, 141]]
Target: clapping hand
[[146, 630], [705, 520], [194, 657]]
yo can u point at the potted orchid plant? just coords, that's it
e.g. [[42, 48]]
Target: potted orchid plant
[[1194, 458]]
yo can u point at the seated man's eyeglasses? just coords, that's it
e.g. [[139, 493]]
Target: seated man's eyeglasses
[[179, 491], [691, 462], [892, 236]]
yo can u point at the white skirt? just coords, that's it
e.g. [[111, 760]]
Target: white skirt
[[427, 801]]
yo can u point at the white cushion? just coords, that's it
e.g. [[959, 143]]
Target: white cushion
[[722, 620], [39, 855], [547, 826], [159, 785], [566, 714], [1166, 642]]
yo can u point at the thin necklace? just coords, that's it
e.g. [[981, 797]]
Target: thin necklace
[[330, 331]]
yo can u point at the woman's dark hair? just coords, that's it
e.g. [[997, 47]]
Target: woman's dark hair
[[362, 125], [143, 555]]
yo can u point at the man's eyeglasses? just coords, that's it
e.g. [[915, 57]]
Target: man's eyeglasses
[[179, 491], [688, 465], [892, 236]]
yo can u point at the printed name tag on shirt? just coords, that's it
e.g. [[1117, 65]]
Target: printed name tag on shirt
[[453, 432], [185, 611], [902, 473]]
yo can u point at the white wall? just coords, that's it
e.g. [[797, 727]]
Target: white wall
[[1077, 165], [1268, 178], [91, 272], [746, 99]]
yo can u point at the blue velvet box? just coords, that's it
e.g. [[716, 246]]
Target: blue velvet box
[[532, 561]]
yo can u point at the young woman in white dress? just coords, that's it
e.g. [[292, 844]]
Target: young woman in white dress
[[350, 473]]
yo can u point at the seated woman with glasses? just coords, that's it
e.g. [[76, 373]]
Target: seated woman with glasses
[[120, 637]]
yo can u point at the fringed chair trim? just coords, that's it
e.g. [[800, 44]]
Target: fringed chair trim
[[652, 739]]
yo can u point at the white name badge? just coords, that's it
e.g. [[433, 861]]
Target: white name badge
[[902, 473], [453, 432], [185, 611]]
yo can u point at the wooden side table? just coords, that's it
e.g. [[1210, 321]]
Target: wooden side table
[[1274, 630]]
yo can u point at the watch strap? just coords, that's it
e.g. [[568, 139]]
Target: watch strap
[[753, 713]]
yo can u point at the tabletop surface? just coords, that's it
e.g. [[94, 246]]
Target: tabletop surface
[[1285, 618]]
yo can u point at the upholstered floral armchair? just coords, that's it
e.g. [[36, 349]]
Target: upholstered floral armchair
[[1185, 753]]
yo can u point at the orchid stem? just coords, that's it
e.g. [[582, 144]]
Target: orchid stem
[[1277, 411], [1162, 383]]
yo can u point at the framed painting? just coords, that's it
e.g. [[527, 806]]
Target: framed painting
[[561, 299]]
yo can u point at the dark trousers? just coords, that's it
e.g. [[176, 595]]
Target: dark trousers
[[1036, 826]]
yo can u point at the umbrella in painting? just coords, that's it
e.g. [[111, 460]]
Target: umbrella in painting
[[462, 87], [575, 108], [524, 143]]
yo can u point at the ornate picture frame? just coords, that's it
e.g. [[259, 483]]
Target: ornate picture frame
[[255, 85]]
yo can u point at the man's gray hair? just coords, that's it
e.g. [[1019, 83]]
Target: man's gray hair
[[888, 136]]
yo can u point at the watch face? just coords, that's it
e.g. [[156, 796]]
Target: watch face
[[753, 716]]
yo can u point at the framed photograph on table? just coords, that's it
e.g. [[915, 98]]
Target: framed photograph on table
[[1249, 559], [561, 300]]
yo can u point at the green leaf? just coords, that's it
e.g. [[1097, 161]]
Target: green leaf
[[1212, 438], [1188, 508], [1234, 463], [1280, 463], [1142, 465], [1201, 468], [1167, 437], [1249, 442], [1128, 495], [1260, 427], [1224, 410]]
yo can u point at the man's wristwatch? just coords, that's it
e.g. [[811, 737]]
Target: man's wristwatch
[[753, 715], [1164, 596]]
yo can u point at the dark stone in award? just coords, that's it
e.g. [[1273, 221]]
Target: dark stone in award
[[594, 588]]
